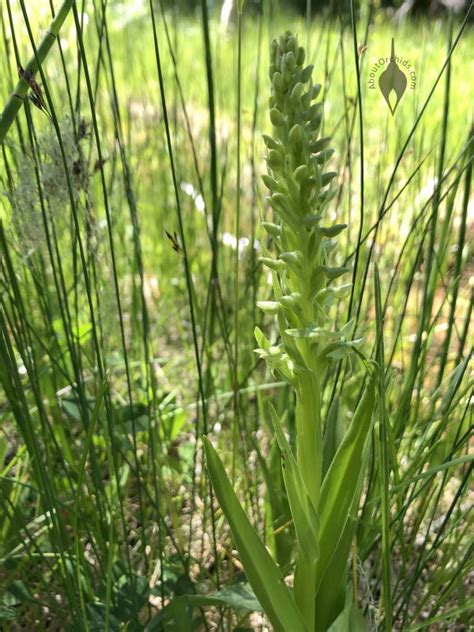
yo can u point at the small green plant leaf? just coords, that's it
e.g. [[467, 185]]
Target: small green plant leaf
[[350, 618], [96, 613], [71, 406], [262, 572], [177, 616], [239, 596], [7, 613], [179, 612]]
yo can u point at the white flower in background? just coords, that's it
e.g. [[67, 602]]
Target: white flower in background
[[426, 192], [230, 240], [226, 14], [193, 193]]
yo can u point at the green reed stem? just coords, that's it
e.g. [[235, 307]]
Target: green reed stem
[[18, 95]]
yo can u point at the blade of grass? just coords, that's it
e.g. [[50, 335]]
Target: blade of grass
[[383, 432]]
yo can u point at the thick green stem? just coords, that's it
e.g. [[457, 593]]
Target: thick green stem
[[309, 456], [309, 436], [17, 97]]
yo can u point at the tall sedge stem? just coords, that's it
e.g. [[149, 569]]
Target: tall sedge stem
[[18, 95]]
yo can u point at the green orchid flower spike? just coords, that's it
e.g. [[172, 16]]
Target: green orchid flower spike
[[299, 194], [323, 501]]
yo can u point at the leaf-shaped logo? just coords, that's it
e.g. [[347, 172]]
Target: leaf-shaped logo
[[392, 79]]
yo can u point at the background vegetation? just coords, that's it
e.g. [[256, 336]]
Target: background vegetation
[[130, 245]]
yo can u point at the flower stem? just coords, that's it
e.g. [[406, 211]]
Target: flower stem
[[309, 436]]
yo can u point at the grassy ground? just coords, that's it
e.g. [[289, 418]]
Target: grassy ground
[[118, 350]]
